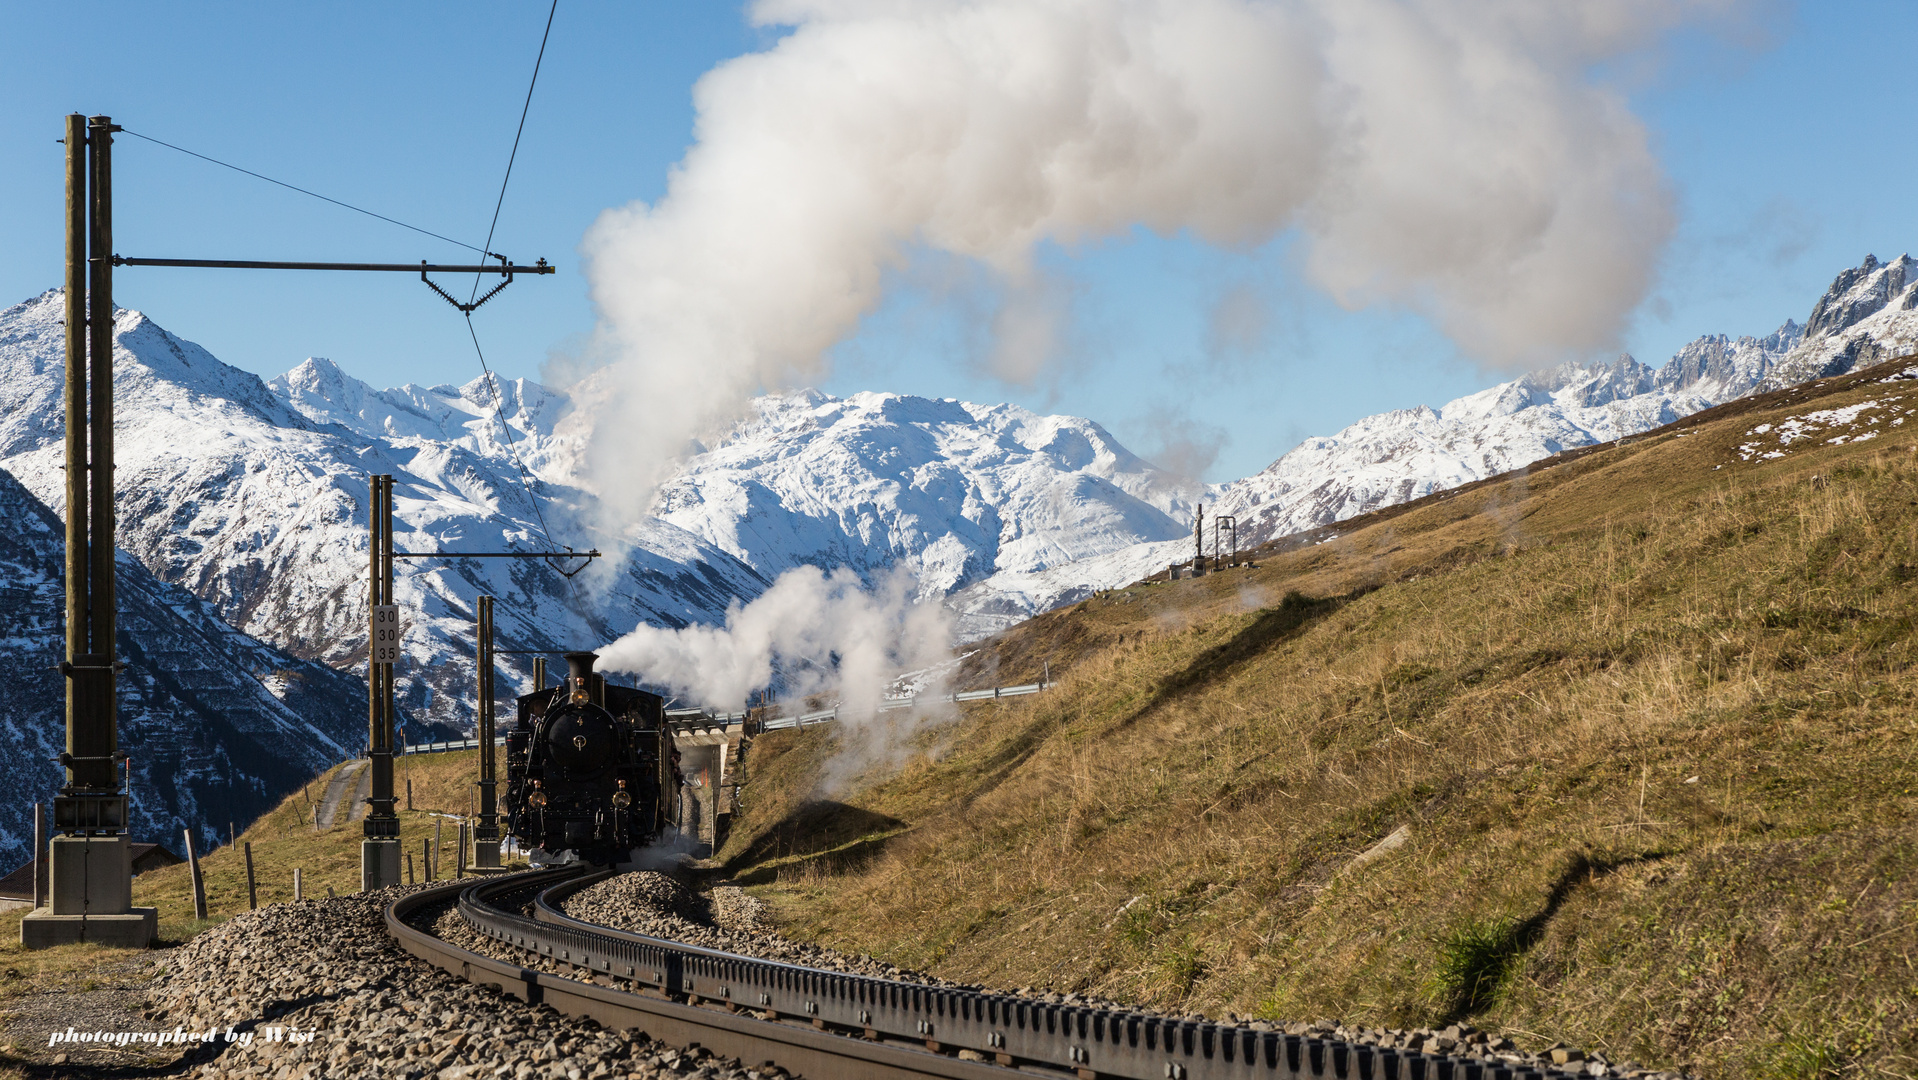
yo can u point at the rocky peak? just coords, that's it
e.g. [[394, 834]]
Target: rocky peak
[[1722, 367], [1867, 316], [1586, 385], [1857, 294]]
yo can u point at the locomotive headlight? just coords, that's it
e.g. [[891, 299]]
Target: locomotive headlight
[[536, 798], [622, 799]]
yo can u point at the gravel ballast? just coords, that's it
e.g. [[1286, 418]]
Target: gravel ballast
[[655, 904], [329, 967]]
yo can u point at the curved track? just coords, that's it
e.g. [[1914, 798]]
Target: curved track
[[828, 1024]]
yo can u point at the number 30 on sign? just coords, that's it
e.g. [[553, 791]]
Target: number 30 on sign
[[386, 633]]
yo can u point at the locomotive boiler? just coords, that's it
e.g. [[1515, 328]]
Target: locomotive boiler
[[590, 772]]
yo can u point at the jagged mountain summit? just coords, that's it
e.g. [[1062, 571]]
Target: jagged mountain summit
[[948, 491], [218, 726], [1869, 315]]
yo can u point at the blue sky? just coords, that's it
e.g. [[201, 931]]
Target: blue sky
[[1786, 143]]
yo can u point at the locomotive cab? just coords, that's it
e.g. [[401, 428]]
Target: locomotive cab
[[588, 769]]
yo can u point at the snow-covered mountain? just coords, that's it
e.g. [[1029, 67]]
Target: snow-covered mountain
[[254, 499], [1406, 454], [1869, 315], [253, 496], [949, 491], [219, 727]]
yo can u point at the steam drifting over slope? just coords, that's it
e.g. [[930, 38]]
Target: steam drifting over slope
[[814, 631], [1449, 156]]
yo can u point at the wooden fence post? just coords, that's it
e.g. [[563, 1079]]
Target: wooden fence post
[[426, 857], [298, 893], [438, 849], [252, 895], [409, 793], [462, 856], [409, 868], [199, 885]]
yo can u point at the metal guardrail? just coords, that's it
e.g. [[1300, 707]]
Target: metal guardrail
[[702, 718], [880, 1027], [892, 704], [798, 1046], [441, 747]]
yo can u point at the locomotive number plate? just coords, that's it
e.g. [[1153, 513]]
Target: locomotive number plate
[[386, 633]]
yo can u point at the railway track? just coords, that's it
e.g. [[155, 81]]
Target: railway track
[[825, 1024]]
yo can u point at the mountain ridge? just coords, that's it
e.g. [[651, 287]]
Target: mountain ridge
[[250, 492]]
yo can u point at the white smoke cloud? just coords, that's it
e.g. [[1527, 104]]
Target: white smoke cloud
[[821, 632], [1454, 156]]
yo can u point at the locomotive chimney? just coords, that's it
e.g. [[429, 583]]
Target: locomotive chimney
[[579, 675]]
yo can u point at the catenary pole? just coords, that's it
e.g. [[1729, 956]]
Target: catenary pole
[[486, 832], [89, 862], [78, 560], [380, 843]]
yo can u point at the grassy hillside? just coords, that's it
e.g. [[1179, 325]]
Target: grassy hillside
[[1635, 728], [330, 857]]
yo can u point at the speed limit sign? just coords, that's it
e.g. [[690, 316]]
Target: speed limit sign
[[386, 633]]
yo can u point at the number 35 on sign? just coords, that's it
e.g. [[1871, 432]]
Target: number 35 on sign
[[386, 633]]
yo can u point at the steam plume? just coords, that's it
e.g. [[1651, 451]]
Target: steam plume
[[1449, 155], [820, 632]]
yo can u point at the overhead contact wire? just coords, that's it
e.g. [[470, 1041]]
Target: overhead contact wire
[[521, 130], [315, 194], [492, 381]]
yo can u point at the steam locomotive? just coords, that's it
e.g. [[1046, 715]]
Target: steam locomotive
[[591, 773]]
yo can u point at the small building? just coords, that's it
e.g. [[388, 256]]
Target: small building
[[16, 889], [147, 857]]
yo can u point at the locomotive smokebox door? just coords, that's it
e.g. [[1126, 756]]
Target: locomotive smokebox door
[[582, 741]]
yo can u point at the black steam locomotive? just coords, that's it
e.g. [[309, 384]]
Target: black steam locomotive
[[590, 769]]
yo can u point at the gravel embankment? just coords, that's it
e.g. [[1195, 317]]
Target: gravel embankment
[[328, 967], [651, 903], [655, 904]]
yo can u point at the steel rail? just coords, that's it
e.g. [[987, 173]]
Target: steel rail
[[803, 1050], [823, 1023]]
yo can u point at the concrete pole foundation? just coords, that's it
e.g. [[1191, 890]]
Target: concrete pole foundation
[[379, 864]]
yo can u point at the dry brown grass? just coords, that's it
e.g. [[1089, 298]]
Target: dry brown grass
[[1648, 720]]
